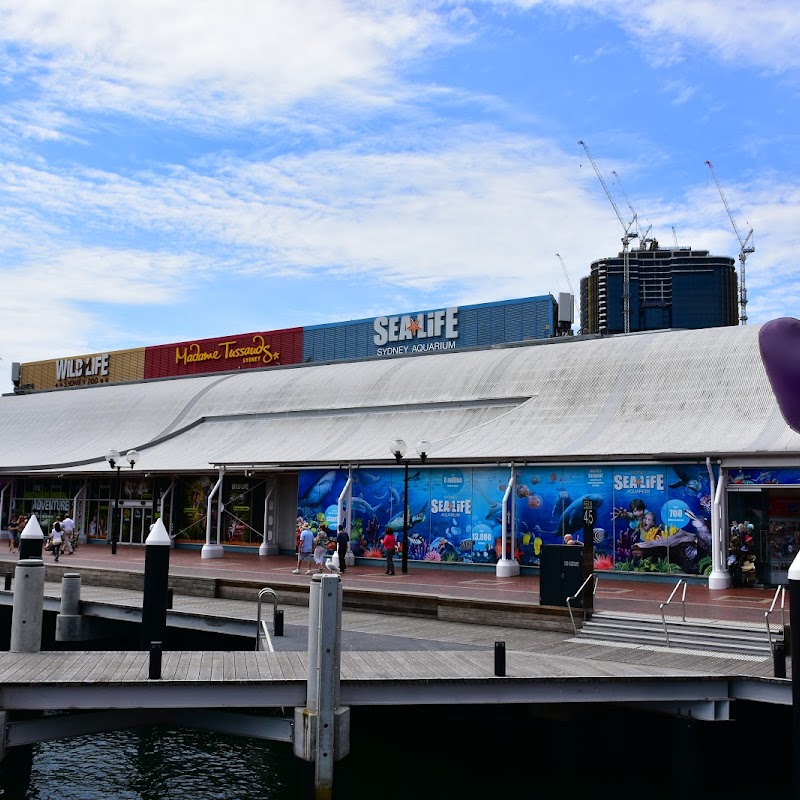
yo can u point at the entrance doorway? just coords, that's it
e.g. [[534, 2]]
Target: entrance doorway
[[133, 522]]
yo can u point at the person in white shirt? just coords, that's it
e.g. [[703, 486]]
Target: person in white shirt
[[68, 531]]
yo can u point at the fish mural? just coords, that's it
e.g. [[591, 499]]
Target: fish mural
[[571, 520], [318, 491], [464, 508], [413, 519], [686, 478], [563, 502], [683, 547], [361, 508]]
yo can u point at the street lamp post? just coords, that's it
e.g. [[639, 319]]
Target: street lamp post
[[398, 449], [115, 462]]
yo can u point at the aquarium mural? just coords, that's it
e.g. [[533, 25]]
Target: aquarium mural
[[647, 519]]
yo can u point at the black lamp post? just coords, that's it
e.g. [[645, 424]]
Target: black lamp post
[[114, 461], [398, 450]]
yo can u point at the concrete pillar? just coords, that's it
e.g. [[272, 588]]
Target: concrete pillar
[[69, 622], [322, 728], [26, 616]]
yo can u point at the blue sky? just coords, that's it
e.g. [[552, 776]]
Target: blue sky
[[173, 170]]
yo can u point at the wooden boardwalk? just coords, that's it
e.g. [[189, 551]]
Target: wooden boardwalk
[[75, 680]]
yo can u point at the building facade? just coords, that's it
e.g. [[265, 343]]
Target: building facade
[[521, 437], [668, 288]]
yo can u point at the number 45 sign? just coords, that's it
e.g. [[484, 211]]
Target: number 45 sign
[[588, 518]]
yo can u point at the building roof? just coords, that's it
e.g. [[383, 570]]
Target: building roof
[[680, 395]]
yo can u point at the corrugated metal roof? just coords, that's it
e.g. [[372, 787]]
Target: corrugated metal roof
[[685, 394]]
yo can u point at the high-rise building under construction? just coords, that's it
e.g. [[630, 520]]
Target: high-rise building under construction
[[675, 287]]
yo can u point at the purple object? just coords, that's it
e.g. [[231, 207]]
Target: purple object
[[779, 343]]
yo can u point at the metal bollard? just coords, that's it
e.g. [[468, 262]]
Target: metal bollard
[[779, 660], [500, 659], [169, 597], [155, 661], [277, 623], [8, 581]]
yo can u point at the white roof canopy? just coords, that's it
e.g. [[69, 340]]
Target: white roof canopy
[[652, 396]]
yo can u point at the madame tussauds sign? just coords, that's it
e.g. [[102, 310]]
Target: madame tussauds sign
[[256, 350]]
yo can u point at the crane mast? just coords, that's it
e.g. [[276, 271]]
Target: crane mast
[[744, 250], [566, 274], [626, 239]]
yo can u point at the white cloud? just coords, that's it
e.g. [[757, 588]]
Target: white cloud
[[242, 59]]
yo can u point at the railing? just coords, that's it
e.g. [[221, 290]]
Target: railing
[[577, 595], [262, 629], [779, 592], [669, 600]]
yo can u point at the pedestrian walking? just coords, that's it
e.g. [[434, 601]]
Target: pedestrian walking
[[321, 549], [342, 541], [305, 549], [13, 533], [68, 528], [389, 543], [56, 538]]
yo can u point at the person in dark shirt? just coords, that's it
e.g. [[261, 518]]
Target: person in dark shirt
[[342, 540]]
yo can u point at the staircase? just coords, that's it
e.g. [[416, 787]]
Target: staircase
[[691, 634]]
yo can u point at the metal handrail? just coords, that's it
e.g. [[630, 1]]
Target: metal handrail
[[669, 600], [577, 595], [262, 629], [782, 592]]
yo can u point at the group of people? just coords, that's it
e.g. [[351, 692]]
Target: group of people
[[15, 527], [62, 537], [311, 548]]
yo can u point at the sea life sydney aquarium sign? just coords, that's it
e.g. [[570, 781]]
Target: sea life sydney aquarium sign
[[420, 333]]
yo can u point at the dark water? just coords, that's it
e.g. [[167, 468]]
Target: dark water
[[482, 752]]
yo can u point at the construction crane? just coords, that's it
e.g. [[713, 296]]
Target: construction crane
[[643, 240], [744, 250], [626, 240], [566, 274]]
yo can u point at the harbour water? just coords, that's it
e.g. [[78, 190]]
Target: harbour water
[[488, 751]]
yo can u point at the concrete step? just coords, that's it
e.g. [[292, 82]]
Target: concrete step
[[705, 635]]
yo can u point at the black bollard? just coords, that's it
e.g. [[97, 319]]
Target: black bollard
[[155, 661], [113, 545], [156, 578], [277, 623], [8, 581], [31, 540], [779, 660], [169, 597], [500, 659]]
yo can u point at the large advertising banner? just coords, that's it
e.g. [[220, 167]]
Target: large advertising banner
[[647, 519]]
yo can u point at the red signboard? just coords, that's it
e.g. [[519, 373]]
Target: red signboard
[[224, 353]]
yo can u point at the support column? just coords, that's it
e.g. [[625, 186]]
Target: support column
[[794, 649], [322, 728], [26, 619]]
